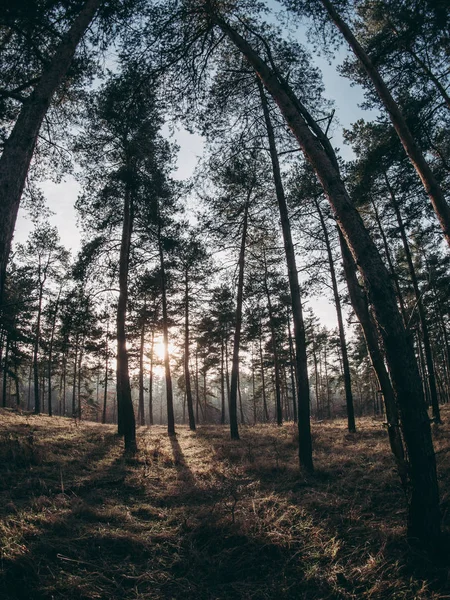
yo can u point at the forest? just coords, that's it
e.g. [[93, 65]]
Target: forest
[[238, 385]]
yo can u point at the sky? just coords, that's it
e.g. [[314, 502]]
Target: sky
[[61, 197]]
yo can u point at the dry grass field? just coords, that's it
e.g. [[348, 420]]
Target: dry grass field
[[199, 516]]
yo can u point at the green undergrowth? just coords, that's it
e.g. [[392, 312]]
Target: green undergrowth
[[200, 516]]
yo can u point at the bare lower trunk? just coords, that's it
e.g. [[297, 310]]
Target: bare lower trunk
[[361, 308], [187, 374], [420, 307], [169, 390], [337, 303], [234, 430], [276, 362], [304, 424], [125, 410], [141, 372]]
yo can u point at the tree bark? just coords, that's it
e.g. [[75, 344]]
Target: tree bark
[[304, 417], [187, 374], [420, 307], [276, 362], [125, 410], [234, 429], [50, 354], [423, 502], [141, 371], [19, 147], [292, 367], [169, 390], [360, 306], [263, 382], [150, 381], [337, 303], [410, 145]]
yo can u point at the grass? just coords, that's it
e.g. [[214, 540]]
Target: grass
[[199, 516]]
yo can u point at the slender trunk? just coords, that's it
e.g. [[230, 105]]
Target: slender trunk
[[74, 382], [5, 373], [187, 374], [359, 302], [19, 147], [276, 363], [392, 270], [169, 391], [234, 430], [125, 410], [304, 424], [410, 145], [80, 372], [197, 386], [423, 502], [292, 367], [50, 353], [141, 371], [16, 380], [222, 382], [337, 303], [37, 337], [105, 385], [241, 408], [150, 382], [253, 385], [421, 310], [263, 383]]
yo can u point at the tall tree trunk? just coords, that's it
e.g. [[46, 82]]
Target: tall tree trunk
[[5, 372], [392, 270], [150, 382], [421, 310], [423, 502], [304, 424], [105, 385], [234, 429], [263, 383], [337, 303], [276, 362], [222, 382], [74, 381], [37, 339], [187, 374], [50, 353], [410, 145], [141, 371], [292, 366], [359, 302], [169, 390], [19, 147], [125, 410]]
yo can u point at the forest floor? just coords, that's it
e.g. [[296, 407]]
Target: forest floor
[[199, 516]]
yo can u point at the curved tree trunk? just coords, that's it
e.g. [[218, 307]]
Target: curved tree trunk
[[19, 147], [423, 502], [360, 306], [431, 185]]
